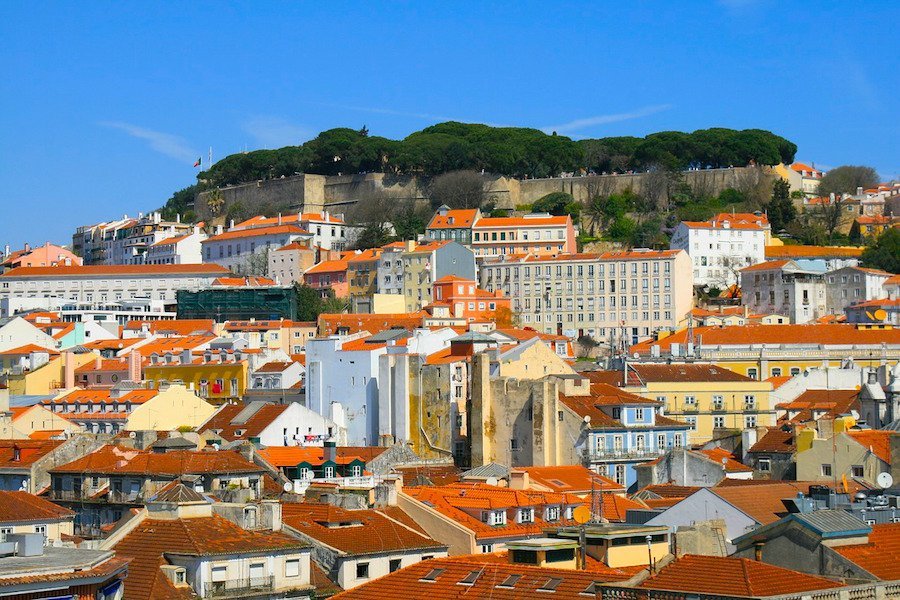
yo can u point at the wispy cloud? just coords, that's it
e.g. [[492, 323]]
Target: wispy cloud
[[275, 132], [579, 124], [164, 143]]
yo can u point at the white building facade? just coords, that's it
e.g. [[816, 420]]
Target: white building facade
[[721, 247], [615, 296]]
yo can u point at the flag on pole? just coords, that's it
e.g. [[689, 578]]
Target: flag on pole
[[199, 160]]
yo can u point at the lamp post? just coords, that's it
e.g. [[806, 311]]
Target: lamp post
[[649, 539]]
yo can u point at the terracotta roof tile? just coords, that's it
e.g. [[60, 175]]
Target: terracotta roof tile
[[205, 536], [355, 531], [454, 219], [453, 500], [776, 441], [764, 502], [879, 441], [495, 580], [814, 335], [235, 234], [881, 555], [22, 506], [28, 349], [113, 459], [222, 421], [571, 479], [291, 456], [328, 324], [177, 326], [531, 221], [724, 577], [327, 266], [28, 450], [685, 372], [773, 252]]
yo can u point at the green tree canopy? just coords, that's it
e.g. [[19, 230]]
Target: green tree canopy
[[884, 253]]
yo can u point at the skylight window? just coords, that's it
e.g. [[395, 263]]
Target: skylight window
[[550, 585], [471, 578], [432, 575], [509, 581]]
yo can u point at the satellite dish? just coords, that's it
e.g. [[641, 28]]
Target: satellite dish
[[581, 515], [587, 418], [287, 487], [884, 480], [132, 434], [880, 315]]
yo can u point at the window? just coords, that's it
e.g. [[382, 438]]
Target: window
[[692, 421], [826, 470], [718, 402], [751, 373], [329, 472], [795, 371], [362, 570], [639, 414], [526, 515], [856, 471], [718, 422], [552, 513], [394, 565], [749, 421], [4, 531], [765, 465], [292, 567], [776, 372], [690, 401], [487, 548], [513, 444]]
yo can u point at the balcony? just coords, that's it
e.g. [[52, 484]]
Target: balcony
[[236, 588], [622, 454], [117, 496]]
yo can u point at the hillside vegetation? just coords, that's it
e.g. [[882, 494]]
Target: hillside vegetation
[[510, 151]]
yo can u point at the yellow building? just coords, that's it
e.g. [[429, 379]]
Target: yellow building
[[362, 276], [49, 377], [707, 397], [763, 351], [173, 407], [532, 359], [283, 334], [217, 377], [31, 419]]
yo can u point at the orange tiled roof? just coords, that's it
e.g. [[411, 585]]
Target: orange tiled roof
[[205, 269], [463, 217], [763, 503], [496, 579], [810, 334], [27, 349], [773, 252], [779, 380], [174, 345], [178, 326], [147, 543], [221, 421], [881, 555], [454, 500], [95, 396], [235, 234], [549, 220], [436, 474], [836, 402], [112, 459], [615, 507], [879, 441], [365, 255], [570, 479], [291, 456], [172, 240], [327, 266], [115, 344], [776, 440], [255, 281], [685, 372], [106, 364], [22, 506], [726, 459], [103, 571], [355, 532], [766, 266], [724, 576], [328, 324], [29, 452]]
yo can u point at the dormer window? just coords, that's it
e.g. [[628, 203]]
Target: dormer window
[[494, 517], [552, 513], [526, 515]]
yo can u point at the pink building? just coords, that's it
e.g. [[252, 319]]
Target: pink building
[[329, 274], [48, 255]]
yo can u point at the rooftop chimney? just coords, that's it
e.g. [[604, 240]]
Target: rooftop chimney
[[134, 366], [330, 451], [68, 370]]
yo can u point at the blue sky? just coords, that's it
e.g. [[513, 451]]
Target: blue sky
[[107, 105]]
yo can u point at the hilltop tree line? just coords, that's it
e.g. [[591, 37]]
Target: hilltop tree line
[[510, 151]]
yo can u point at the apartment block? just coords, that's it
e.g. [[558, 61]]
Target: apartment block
[[626, 296], [722, 246], [540, 234]]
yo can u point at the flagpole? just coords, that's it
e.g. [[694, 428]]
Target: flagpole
[[210, 157]]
